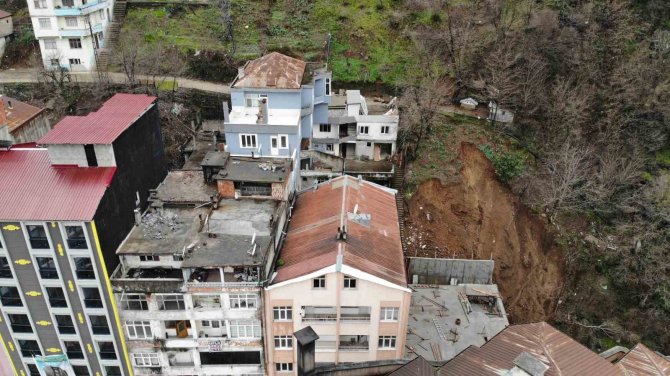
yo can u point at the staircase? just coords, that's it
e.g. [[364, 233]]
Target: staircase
[[398, 183], [112, 34]]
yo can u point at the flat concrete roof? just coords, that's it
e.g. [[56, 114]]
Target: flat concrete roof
[[432, 329], [185, 187], [260, 170]]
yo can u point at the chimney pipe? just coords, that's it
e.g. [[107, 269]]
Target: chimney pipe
[[226, 112], [263, 116], [138, 216], [240, 72]]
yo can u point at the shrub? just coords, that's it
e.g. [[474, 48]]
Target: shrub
[[508, 165]]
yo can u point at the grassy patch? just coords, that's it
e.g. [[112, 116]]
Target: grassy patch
[[663, 157]]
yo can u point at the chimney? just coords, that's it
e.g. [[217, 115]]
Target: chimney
[[138, 216], [306, 340], [263, 116], [240, 72], [226, 112]]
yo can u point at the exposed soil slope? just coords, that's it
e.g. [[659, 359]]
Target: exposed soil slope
[[478, 217]]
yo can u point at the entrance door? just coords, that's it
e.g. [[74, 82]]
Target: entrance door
[[274, 145]]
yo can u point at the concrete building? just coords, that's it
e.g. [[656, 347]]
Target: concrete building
[[20, 122], [340, 271], [499, 114], [353, 133], [70, 31], [6, 30], [64, 209]]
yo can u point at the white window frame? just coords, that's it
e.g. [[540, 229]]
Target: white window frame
[[137, 326], [45, 23], [283, 342], [283, 139], [149, 258], [364, 129], [50, 44], [254, 99], [385, 129], [70, 40], [387, 342], [347, 283], [389, 314], [320, 281], [284, 367], [162, 298], [244, 329], [243, 298], [146, 360], [74, 61], [281, 313], [325, 128], [329, 89], [69, 22], [40, 4], [246, 140], [126, 299], [329, 147]]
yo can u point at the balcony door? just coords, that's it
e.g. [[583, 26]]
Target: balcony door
[[274, 145]]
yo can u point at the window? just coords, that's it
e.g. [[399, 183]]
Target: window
[[54, 62], [253, 100], [99, 324], [324, 128], [29, 348], [92, 297], [328, 86], [150, 258], [283, 141], [33, 371], [242, 301], [47, 267], [75, 42], [146, 360], [172, 302], [9, 296], [385, 129], [71, 21], [369, 144], [364, 129], [284, 367], [75, 237], [319, 282], [5, 269], [389, 314], [248, 140], [20, 323], [387, 342], [78, 62], [349, 282], [56, 297], [107, 350], [245, 329], [134, 302], [50, 44], [45, 23], [68, 3], [73, 350], [84, 268], [80, 371], [138, 329], [283, 342], [40, 4], [38, 237], [65, 325], [282, 313], [354, 342], [329, 147], [177, 258], [112, 371]]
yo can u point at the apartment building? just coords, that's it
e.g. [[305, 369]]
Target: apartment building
[[192, 270], [70, 31], [64, 209], [340, 271]]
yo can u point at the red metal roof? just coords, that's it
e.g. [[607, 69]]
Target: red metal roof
[[101, 127], [641, 361], [32, 189], [374, 248], [4, 14]]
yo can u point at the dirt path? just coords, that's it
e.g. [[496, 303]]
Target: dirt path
[[478, 217]]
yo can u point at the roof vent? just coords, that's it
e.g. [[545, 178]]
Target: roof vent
[[530, 364], [240, 72]]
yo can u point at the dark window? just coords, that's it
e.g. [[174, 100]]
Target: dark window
[[99, 324], [20, 323], [75, 43], [47, 267], [75, 237], [5, 270], [68, 3], [107, 350], [80, 371], [29, 348], [84, 268], [324, 128], [89, 149], [112, 371], [230, 357], [9, 296], [65, 325], [56, 297], [92, 297], [73, 350], [32, 369], [38, 237]]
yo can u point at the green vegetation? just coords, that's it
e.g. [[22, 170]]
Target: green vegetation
[[508, 164], [663, 157]]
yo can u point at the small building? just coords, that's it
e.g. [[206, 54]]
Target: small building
[[6, 30], [500, 114], [469, 103], [24, 123]]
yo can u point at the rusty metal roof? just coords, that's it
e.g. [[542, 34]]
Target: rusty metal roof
[[373, 235], [641, 361], [101, 127], [19, 113], [417, 367], [273, 70], [563, 355], [4, 14]]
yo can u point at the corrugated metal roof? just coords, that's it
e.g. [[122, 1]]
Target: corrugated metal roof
[[101, 127], [641, 361], [563, 355], [19, 113], [372, 246], [4, 14], [32, 189], [273, 70], [417, 367]]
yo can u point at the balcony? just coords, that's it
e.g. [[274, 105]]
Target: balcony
[[354, 343], [156, 280], [355, 314], [213, 280], [72, 9], [319, 314]]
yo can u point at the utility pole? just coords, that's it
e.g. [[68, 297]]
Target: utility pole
[[95, 46]]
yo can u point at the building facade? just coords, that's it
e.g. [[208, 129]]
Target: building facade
[[340, 271], [70, 31], [6, 30], [22, 122], [58, 233]]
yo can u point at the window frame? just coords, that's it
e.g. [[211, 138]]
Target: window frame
[[32, 351], [93, 327], [13, 298], [5, 268], [59, 326], [349, 283], [86, 300], [146, 360], [283, 140], [387, 342], [63, 298], [247, 139], [33, 241], [40, 4], [25, 324], [75, 243], [141, 329], [75, 43], [100, 352], [385, 129], [84, 272], [330, 147], [284, 367], [150, 258], [44, 23], [282, 313], [49, 272], [251, 329], [384, 314], [365, 128], [81, 349], [325, 128], [178, 298], [319, 283], [50, 44], [243, 298], [141, 300], [283, 342], [68, 22]]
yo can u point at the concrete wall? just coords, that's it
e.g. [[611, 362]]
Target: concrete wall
[[33, 131], [264, 141], [6, 27], [440, 271], [75, 155], [277, 99]]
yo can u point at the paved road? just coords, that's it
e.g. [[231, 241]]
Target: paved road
[[32, 75]]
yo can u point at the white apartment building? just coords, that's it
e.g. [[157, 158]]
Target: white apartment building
[[70, 31]]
